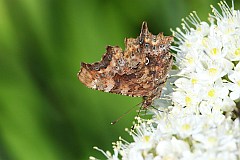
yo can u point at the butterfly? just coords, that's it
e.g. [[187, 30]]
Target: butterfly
[[140, 70]]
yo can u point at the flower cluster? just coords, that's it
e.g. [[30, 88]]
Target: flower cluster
[[206, 57], [200, 122]]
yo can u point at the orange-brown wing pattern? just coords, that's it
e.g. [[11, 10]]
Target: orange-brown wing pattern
[[139, 71]]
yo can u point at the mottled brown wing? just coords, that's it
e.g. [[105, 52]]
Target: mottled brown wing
[[139, 70], [146, 82]]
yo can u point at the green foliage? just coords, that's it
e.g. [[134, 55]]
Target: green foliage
[[45, 112]]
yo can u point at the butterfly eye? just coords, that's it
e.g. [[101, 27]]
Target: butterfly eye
[[147, 61]]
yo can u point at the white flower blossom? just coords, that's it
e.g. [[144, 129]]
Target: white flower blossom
[[198, 120]]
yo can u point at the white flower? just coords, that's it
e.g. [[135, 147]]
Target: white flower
[[215, 91], [204, 62], [211, 71], [187, 126], [172, 149], [186, 94]]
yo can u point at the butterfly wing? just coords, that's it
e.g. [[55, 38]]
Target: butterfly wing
[[140, 70]]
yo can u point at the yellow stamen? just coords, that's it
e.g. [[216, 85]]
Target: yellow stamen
[[214, 51], [194, 81], [188, 101], [211, 93], [146, 138], [213, 71], [186, 127], [237, 52], [190, 60]]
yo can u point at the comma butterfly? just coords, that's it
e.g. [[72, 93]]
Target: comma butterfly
[[138, 71]]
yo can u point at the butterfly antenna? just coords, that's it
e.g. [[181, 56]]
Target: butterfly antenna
[[114, 122]]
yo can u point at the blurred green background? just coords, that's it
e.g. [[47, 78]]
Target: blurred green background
[[45, 112]]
